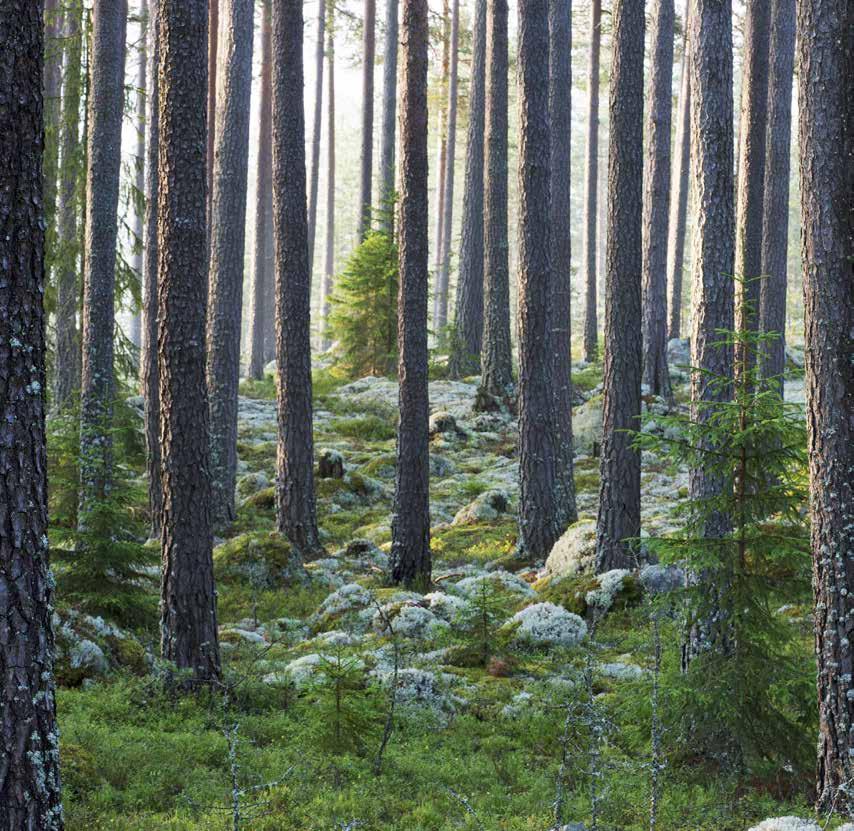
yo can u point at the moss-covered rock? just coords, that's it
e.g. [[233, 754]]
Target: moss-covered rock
[[265, 560]]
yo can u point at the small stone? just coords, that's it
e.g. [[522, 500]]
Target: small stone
[[442, 422], [330, 464]]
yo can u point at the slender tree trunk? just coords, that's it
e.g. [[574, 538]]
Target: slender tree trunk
[[496, 359], [619, 492], [54, 15], [99, 275], [656, 200], [67, 358], [315, 136], [591, 176], [228, 239], [775, 230], [329, 265], [142, 93], [679, 194], [261, 310], [29, 737], [367, 169], [187, 600], [295, 501], [450, 158], [442, 137], [213, 58], [269, 259], [410, 548], [826, 96], [150, 370], [389, 117], [751, 170], [560, 111], [468, 313]]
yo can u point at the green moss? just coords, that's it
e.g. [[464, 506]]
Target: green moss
[[365, 428], [571, 592], [380, 466], [129, 653], [264, 500], [265, 389], [480, 542], [587, 378], [258, 558]]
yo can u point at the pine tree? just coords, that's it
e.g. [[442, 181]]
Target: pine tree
[[367, 163]]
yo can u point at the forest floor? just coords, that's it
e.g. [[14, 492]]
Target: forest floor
[[507, 706]]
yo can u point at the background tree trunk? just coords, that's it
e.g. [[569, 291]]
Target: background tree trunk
[[315, 136], [106, 104], [67, 358], [468, 313], [826, 96], [441, 167], [679, 194], [188, 622], [410, 548], [591, 175], [367, 170], [296, 513], [261, 310], [142, 93], [213, 57], [29, 762], [54, 22], [329, 266], [619, 492], [560, 112], [496, 359], [150, 372], [775, 230], [656, 201], [389, 117]]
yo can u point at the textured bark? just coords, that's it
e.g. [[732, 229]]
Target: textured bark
[[619, 492], [213, 59], [29, 738], [775, 230], [315, 135], [228, 239], [560, 111], [296, 513], [751, 170], [441, 319], [187, 598], [329, 265], [135, 333], [367, 164], [468, 312], [826, 95], [150, 372], [262, 311], [106, 107], [442, 149], [410, 547], [269, 256], [54, 15], [591, 176], [538, 519], [67, 358], [496, 359], [656, 199], [389, 117], [679, 196], [710, 36]]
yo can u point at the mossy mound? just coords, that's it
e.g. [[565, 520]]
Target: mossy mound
[[572, 592], [265, 560]]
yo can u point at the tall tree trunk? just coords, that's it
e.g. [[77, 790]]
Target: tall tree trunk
[[496, 359], [329, 265], [826, 96], [389, 117], [150, 371], [367, 168], [591, 176], [679, 194], [775, 230], [315, 135], [450, 158], [656, 200], [261, 277], [295, 502], [468, 313], [99, 276], [619, 492], [751, 171], [228, 239], [560, 112], [187, 598], [67, 358], [538, 509], [54, 15], [269, 257], [442, 149], [29, 737], [213, 59], [142, 93], [710, 38], [410, 547]]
